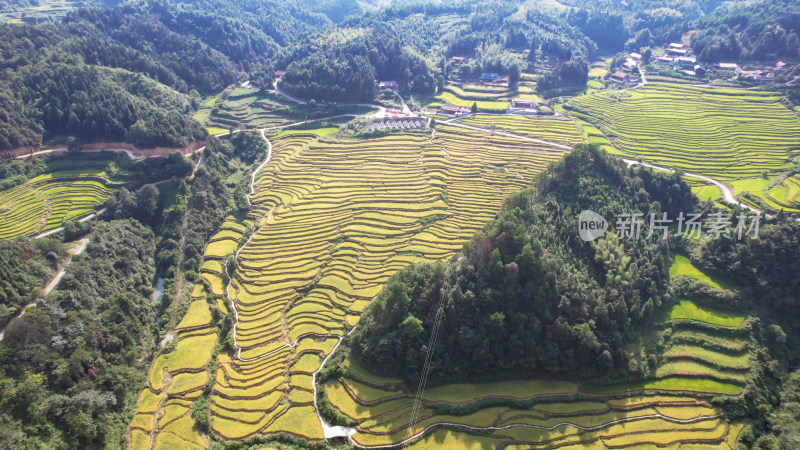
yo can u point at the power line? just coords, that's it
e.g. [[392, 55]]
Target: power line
[[437, 322]]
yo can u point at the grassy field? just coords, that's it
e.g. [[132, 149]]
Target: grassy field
[[688, 310], [43, 9], [682, 266], [723, 133]]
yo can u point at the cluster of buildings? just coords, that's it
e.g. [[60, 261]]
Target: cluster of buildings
[[398, 124], [765, 73], [622, 77], [625, 72], [680, 58]]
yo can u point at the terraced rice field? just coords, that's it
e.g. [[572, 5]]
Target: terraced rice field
[[702, 359], [47, 201], [176, 379], [783, 196], [723, 133], [246, 107], [334, 221], [489, 105], [544, 418], [560, 130], [175, 382], [249, 108], [491, 99]]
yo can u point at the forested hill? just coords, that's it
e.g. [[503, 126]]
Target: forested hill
[[527, 295], [750, 30], [411, 44], [131, 72]]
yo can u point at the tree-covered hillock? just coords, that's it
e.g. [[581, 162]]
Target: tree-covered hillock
[[527, 295]]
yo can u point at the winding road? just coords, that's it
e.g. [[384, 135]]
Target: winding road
[[52, 284], [726, 192]]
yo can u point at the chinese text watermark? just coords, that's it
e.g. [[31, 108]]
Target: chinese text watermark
[[635, 225]]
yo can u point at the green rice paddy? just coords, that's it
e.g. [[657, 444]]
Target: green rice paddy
[[723, 133]]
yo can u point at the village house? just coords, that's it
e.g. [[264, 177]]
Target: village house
[[459, 60], [619, 77], [726, 67], [665, 60], [397, 124], [523, 106], [636, 56], [520, 102], [700, 71], [758, 76], [686, 61], [676, 49], [490, 77], [390, 84], [782, 66], [626, 66], [453, 110], [279, 73]]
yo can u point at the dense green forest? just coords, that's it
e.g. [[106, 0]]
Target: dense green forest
[[745, 30], [71, 364], [18, 171], [59, 78], [526, 295], [25, 266], [735, 30]]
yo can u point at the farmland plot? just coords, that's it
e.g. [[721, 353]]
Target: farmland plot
[[334, 221]]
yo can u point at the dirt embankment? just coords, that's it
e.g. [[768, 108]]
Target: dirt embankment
[[130, 149]]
